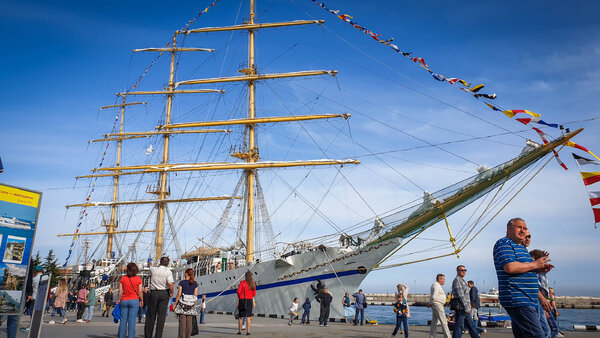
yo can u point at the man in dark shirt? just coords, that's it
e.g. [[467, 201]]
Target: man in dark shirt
[[475, 304], [324, 299], [144, 309]]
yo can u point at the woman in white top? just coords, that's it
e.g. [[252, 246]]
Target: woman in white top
[[402, 289], [293, 311]]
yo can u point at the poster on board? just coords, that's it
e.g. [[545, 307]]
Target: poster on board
[[19, 210]]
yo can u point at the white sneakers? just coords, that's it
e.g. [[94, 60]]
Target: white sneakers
[[64, 321], [79, 320], [51, 322]]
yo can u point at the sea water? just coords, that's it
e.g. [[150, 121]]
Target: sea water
[[420, 315]]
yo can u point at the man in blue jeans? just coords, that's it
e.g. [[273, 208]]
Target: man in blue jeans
[[460, 290], [359, 304], [202, 309], [12, 321], [517, 280]]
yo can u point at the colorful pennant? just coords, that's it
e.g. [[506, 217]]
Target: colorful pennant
[[583, 160], [558, 160], [495, 108], [454, 80], [476, 88], [544, 138], [575, 145], [596, 215], [594, 197], [511, 113], [590, 177], [542, 135], [527, 120]]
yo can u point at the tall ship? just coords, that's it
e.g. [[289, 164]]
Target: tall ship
[[207, 181]]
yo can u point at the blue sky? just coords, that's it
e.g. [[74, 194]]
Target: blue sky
[[65, 59]]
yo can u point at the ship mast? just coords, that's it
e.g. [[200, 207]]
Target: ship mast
[[162, 185], [110, 228], [252, 148]]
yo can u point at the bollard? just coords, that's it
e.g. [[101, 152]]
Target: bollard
[[586, 327]]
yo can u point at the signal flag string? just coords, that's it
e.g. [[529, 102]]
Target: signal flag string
[[187, 26], [589, 178], [473, 91], [84, 211]]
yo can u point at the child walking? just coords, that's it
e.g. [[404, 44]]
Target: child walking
[[306, 314], [402, 314], [293, 311]]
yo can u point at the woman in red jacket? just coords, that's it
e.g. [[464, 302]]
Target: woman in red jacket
[[246, 292]]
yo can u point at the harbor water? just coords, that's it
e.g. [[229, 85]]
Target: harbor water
[[384, 314]]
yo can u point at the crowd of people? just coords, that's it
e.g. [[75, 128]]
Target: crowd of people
[[523, 292]]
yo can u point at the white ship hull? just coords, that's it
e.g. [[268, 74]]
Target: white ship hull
[[280, 281]]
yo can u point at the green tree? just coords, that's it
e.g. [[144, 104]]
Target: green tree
[[51, 266], [37, 259]]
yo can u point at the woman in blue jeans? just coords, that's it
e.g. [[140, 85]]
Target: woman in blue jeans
[[130, 300]]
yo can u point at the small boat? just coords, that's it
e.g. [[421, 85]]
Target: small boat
[[490, 296]]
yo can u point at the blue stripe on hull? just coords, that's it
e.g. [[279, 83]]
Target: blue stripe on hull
[[285, 283]]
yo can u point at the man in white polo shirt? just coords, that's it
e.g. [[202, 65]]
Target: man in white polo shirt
[[161, 290], [437, 299]]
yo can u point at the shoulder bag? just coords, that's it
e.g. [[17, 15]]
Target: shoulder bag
[[455, 304], [185, 305]]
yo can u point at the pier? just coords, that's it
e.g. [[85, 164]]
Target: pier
[[568, 302], [226, 325]]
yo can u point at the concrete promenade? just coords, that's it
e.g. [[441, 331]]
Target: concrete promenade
[[225, 325]]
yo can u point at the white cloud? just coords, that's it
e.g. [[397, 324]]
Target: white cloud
[[18, 270]]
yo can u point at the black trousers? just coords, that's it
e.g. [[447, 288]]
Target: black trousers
[[80, 310], [157, 312], [324, 315]]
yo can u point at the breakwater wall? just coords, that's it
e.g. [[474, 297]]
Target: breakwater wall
[[569, 302]]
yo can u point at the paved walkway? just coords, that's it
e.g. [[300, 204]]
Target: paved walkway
[[225, 325]]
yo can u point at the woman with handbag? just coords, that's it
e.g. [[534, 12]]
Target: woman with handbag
[[130, 299], [108, 302], [246, 293], [185, 304]]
